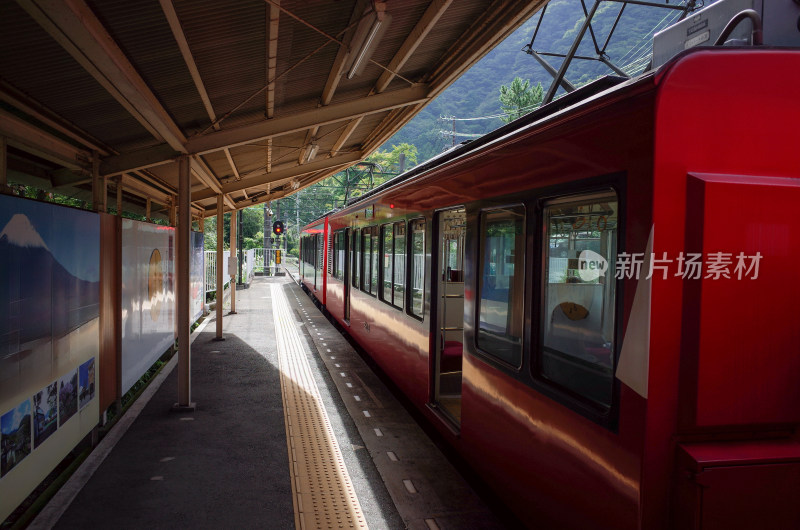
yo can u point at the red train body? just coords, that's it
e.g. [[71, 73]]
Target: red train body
[[586, 400]]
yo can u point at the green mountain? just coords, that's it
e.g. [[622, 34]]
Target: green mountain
[[475, 94]]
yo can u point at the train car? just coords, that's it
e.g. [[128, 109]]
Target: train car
[[593, 304], [313, 254]]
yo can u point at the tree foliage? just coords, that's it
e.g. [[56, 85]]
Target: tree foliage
[[389, 161], [519, 98], [474, 94]]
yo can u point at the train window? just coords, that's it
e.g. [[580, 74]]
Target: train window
[[338, 256], [580, 295], [366, 258], [356, 257], [319, 266], [374, 258], [393, 269], [502, 284], [335, 252], [417, 268], [331, 256], [387, 240], [399, 264]]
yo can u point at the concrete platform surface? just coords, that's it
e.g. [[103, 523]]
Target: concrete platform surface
[[225, 464]]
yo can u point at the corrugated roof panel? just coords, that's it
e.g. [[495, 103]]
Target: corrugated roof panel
[[404, 16], [454, 23], [227, 39], [58, 82], [218, 163], [142, 32]]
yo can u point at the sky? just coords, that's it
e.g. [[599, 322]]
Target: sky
[[10, 421], [84, 373]]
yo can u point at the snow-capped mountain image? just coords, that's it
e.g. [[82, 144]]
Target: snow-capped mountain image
[[20, 232]]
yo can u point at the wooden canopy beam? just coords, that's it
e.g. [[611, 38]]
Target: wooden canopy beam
[[286, 173], [429, 19], [76, 28], [218, 140]]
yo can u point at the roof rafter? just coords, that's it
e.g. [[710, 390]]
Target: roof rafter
[[206, 176], [219, 140], [288, 172], [273, 24], [337, 69], [28, 137], [183, 45], [76, 28], [429, 19]]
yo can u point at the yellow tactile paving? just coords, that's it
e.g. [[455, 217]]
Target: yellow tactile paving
[[322, 491]]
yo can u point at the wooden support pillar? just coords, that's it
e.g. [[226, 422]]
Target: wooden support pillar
[[98, 185], [119, 196], [182, 312], [234, 224], [105, 194], [148, 209], [4, 188], [201, 224], [172, 221], [220, 257]]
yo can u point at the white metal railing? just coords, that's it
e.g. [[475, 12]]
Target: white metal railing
[[254, 260], [211, 269], [269, 260], [248, 265], [258, 256]]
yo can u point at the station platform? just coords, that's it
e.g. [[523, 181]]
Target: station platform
[[291, 429]]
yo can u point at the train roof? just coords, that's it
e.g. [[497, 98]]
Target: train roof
[[569, 99]]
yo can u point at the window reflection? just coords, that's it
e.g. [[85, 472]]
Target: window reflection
[[579, 295], [502, 284]]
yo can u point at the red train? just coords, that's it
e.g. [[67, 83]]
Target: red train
[[594, 304]]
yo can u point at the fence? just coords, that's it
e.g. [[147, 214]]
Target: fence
[[254, 261], [211, 270]]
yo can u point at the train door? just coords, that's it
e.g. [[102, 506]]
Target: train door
[[449, 313], [346, 256]]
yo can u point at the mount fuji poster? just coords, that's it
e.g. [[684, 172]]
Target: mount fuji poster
[[49, 328], [49, 273]]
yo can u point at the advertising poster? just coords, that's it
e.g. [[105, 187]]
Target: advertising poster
[[148, 297], [45, 413], [196, 276], [67, 397], [86, 383], [15, 436], [49, 326]]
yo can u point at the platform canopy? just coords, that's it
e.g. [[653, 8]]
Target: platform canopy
[[265, 96]]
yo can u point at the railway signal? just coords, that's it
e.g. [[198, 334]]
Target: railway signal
[[277, 228]]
